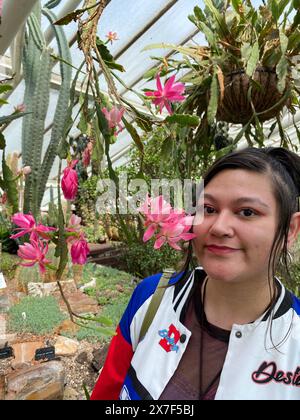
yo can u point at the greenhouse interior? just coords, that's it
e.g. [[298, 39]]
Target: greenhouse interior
[[149, 200]]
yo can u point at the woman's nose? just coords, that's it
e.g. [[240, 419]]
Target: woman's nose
[[222, 225]]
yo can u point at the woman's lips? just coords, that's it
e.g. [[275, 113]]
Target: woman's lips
[[221, 250]]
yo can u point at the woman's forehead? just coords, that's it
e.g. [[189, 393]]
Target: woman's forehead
[[234, 184]]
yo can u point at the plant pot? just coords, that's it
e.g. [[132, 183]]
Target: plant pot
[[235, 106]]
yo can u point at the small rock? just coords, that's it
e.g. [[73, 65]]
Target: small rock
[[82, 358], [41, 382], [7, 338], [67, 326], [99, 356], [70, 393], [4, 304], [25, 352], [91, 283], [66, 346], [47, 289]]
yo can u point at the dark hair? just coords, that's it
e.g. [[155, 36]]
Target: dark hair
[[283, 168]]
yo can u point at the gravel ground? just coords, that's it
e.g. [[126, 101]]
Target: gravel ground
[[79, 369]]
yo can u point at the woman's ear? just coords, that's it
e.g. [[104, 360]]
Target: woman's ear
[[294, 229]]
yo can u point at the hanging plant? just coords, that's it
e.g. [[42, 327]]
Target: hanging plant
[[248, 71]]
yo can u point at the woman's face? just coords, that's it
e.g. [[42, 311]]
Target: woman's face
[[236, 234]]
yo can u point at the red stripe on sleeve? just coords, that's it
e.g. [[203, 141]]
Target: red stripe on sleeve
[[111, 379]]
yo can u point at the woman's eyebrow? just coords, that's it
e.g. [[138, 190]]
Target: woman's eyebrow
[[241, 200]]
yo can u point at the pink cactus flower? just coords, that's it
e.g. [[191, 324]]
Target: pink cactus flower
[[79, 251], [74, 226], [157, 211], [27, 225], [164, 96], [26, 170], [69, 182], [20, 108], [112, 36], [86, 156], [114, 117], [35, 253], [74, 222], [170, 225], [175, 231], [3, 199]]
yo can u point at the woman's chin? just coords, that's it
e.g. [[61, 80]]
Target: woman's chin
[[225, 271]]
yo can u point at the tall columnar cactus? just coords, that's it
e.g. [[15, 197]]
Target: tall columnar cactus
[[38, 63]]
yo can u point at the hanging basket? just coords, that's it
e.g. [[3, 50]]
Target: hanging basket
[[235, 106]]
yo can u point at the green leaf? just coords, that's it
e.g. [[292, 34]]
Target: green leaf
[[5, 88], [209, 35], [100, 319], [213, 100], [167, 148], [102, 121], [294, 39], [86, 392], [134, 135], [184, 120], [107, 57], [10, 185], [274, 9], [83, 124], [63, 149], [283, 64], [115, 66], [199, 14], [8, 118], [246, 52], [144, 123], [150, 74], [2, 141], [296, 4], [282, 5], [236, 4], [253, 59], [68, 18], [281, 71], [296, 21], [219, 19]]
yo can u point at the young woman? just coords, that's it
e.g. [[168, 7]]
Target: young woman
[[227, 329]]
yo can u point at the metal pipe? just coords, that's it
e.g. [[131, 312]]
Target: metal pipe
[[14, 14]]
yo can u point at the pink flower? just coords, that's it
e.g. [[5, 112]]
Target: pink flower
[[157, 211], [69, 182], [3, 198], [86, 156], [20, 108], [112, 36], [174, 231], [164, 96], [79, 251], [74, 222], [75, 227], [114, 117], [28, 225], [26, 170], [34, 252], [170, 225]]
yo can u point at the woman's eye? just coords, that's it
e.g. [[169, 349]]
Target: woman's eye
[[208, 209], [247, 212]]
